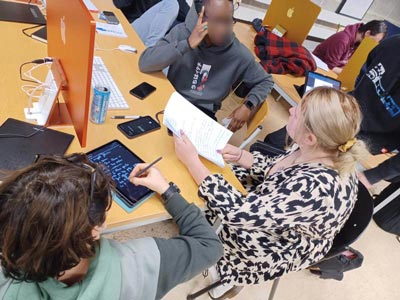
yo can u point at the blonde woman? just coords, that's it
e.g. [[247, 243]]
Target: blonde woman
[[296, 203]]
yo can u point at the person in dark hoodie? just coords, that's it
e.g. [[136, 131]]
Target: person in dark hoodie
[[51, 216], [338, 48], [205, 60], [378, 94]]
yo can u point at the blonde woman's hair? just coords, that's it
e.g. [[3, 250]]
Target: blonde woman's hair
[[334, 118]]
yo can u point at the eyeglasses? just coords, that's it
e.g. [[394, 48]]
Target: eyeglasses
[[92, 179], [86, 166]]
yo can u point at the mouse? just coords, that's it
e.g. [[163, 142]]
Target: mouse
[[127, 48]]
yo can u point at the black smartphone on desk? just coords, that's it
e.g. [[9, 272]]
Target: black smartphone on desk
[[110, 17], [142, 90], [138, 127]]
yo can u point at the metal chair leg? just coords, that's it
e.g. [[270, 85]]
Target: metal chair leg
[[203, 291], [273, 289]]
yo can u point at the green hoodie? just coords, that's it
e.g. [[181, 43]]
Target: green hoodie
[[102, 281], [141, 269]]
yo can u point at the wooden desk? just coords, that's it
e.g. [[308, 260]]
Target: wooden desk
[[283, 84], [18, 48], [373, 161]]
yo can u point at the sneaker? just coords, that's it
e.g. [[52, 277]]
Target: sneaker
[[225, 292]]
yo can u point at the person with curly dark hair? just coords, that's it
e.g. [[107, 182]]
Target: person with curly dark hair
[[51, 217]]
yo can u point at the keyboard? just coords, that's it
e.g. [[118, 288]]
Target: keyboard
[[101, 77]]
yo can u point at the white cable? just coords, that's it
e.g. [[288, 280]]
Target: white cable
[[101, 49], [28, 74], [32, 95], [28, 88]]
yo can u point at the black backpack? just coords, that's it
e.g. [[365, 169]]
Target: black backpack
[[334, 267], [388, 216]]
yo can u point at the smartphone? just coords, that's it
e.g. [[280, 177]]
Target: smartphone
[[110, 17], [138, 127], [142, 90]]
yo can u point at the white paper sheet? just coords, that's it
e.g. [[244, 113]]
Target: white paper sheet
[[90, 5], [207, 135], [320, 63], [110, 29]]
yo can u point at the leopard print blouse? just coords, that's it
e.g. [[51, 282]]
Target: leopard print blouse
[[286, 222]]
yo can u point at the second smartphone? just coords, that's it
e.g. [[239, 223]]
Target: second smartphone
[[138, 127], [142, 90]]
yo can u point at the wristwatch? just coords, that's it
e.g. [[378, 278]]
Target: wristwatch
[[249, 104], [172, 190]]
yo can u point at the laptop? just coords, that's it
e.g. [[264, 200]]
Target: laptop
[[21, 141], [314, 80], [21, 13], [41, 34], [296, 16]]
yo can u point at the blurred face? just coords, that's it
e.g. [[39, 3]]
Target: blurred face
[[377, 38], [219, 15]]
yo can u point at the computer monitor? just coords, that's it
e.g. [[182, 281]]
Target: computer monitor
[[296, 16], [70, 39]]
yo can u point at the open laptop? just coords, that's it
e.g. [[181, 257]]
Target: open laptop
[[314, 80], [21, 13], [296, 16]]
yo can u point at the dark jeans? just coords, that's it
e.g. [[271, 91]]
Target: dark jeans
[[277, 138]]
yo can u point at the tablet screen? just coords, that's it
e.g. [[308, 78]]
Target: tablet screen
[[118, 162]]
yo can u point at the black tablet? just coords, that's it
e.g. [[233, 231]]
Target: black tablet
[[118, 162]]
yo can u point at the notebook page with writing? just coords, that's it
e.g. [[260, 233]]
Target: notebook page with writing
[[207, 135]]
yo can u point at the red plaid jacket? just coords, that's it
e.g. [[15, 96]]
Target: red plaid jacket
[[281, 56]]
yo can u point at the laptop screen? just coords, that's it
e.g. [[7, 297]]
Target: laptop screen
[[315, 80]]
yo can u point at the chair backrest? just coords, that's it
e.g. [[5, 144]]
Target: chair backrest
[[296, 16], [258, 118], [351, 70], [356, 224]]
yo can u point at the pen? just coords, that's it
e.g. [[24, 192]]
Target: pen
[[148, 167], [125, 117]]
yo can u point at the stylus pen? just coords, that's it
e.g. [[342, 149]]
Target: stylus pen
[[125, 117], [148, 167]]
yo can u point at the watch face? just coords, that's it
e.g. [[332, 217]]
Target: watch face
[[249, 104]]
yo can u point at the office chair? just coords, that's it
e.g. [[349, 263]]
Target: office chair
[[254, 126], [351, 231], [351, 70]]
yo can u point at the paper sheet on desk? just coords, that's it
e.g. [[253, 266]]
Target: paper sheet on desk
[[320, 63], [207, 135], [90, 5], [110, 29]]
